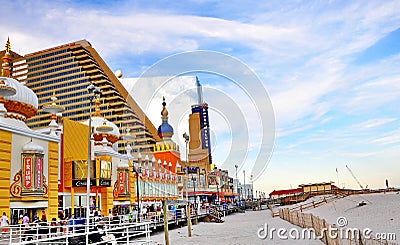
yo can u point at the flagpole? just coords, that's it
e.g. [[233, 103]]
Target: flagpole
[[337, 175]]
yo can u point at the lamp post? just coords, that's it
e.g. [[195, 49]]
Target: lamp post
[[237, 182], [186, 137], [244, 185], [252, 189], [195, 198], [194, 192], [205, 178], [131, 138], [170, 179], [217, 193], [189, 222], [96, 92], [137, 169]]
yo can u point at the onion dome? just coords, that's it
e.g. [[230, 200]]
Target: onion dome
[[32, 147], [123, 165], [102, 127], [54, 109], [20, 101], [165, 130]]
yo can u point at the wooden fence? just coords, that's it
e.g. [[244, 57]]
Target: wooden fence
[[320, 229]]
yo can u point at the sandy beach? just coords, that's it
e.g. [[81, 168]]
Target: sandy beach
[[238, 228], [381, 214]]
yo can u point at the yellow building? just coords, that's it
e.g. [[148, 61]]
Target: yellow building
[[28, 159], [317, 187], [111, 175]]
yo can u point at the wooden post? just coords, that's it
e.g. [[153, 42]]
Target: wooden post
[[189, 222], [325, 232], [166, 235], [312, 221]]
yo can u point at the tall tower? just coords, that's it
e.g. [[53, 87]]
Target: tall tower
[[199, 129], [65, 72]]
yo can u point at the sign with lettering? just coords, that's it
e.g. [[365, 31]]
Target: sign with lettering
[[121, 182], [27, 172], [82, 182], [39, 172], [105, 182], [127, 180]]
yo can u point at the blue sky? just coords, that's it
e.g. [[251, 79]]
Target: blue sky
[[331, 69]]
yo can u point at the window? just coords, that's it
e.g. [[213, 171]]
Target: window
[[79, 170], [105, 172]]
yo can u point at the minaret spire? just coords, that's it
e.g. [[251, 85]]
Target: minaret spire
[[8, 46], [164, 112], [6, 69], [199, 91]]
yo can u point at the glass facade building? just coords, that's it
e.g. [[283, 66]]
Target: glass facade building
[[65, 72]]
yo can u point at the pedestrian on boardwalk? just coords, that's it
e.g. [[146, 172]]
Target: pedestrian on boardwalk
[[25, 220], [144, 212], [53, 229], [4, 224], [44, 218]]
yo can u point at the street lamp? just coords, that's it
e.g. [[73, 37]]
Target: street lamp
[[237, 182], [96, 92], [244, 185], [252, 190], [138, 169], [194, 193], [186, 137], [217, 192], [205, 178]]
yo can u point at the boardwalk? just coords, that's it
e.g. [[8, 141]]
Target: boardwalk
[[123, 228]]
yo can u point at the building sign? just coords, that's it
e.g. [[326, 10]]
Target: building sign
[[121, 182], [204, 127], [192, 170], [27, 172], [214, 178], [105, 182], [39, 172], [127, 180], [82, 182]]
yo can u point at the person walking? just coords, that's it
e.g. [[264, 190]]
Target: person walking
[[4, 224], [53, 229], [25, 220]]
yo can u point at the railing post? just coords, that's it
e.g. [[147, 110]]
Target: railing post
[[127, 234]]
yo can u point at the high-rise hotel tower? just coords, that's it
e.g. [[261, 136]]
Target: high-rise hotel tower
[[65, 72]]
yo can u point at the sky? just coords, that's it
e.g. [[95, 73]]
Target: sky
[[330, 70]]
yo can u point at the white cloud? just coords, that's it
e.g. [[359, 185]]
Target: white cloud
[[392, 137], [373, 123]]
